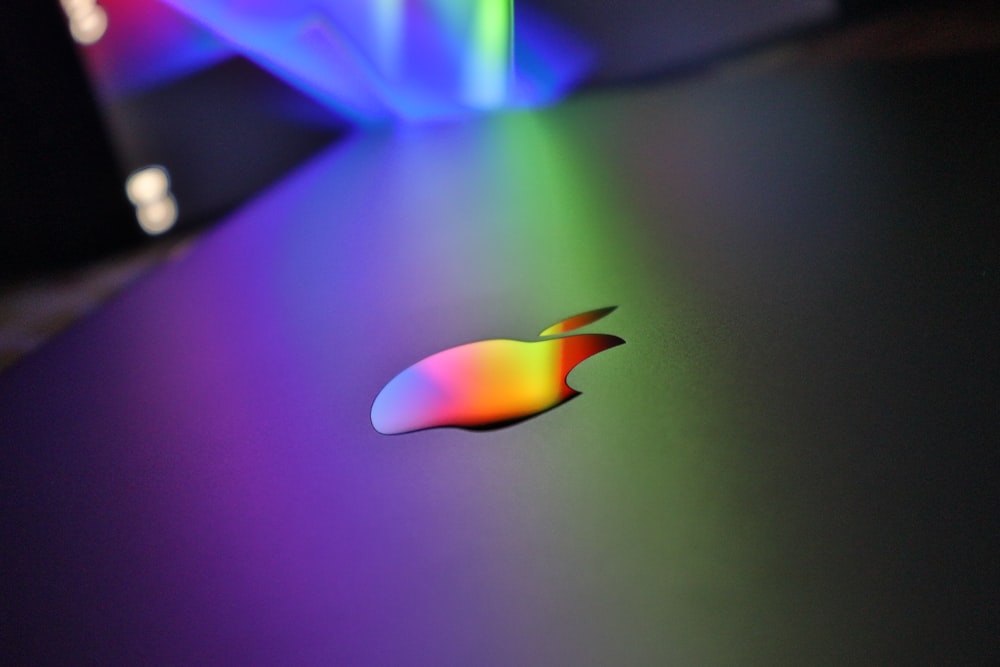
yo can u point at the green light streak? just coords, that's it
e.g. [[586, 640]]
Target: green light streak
[[490, 57]]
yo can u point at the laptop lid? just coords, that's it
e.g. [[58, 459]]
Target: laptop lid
[[788, 461]]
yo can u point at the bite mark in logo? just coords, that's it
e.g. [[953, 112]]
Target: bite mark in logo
[[489, 383]]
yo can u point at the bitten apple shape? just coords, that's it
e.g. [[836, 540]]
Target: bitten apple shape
[[489, 383]]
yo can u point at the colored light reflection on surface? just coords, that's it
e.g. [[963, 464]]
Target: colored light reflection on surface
[[219, 443], [488, 383]]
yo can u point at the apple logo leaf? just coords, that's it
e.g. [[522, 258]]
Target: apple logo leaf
[[577, 321]]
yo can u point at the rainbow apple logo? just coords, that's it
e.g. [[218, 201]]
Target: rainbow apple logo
[[489, 383]]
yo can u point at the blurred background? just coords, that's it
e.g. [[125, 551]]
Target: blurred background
[[128, 126]]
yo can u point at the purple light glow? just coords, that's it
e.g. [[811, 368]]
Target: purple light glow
[[148, 44]]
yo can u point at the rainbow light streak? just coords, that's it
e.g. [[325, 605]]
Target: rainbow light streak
[[488, 383], [382, 60]]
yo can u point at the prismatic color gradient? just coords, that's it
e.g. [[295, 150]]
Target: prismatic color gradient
[[488, 383]]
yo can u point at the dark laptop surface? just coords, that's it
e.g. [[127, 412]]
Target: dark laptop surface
[[791, 460]]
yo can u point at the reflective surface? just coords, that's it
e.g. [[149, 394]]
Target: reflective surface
[[792, 461]]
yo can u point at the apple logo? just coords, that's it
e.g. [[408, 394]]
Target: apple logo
[[489, 383]]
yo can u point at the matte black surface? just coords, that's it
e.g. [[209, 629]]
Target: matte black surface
[[792, 461], [643, 38], [61, 194]]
